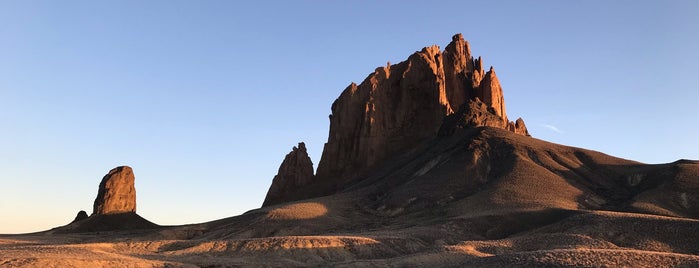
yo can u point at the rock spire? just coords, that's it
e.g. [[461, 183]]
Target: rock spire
[[117, 193], [295, 171], [394, 109]]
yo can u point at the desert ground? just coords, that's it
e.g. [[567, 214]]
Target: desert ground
[[515, 218], [609, 239]]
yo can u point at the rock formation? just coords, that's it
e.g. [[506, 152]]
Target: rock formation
[[475, 113], [458, 70], [114, 208], [117, 193], [518, 127], [490, 92], [81, 216], [396, 108], [296, 170]]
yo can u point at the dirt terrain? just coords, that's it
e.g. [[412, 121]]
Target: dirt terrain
[[576, 238]]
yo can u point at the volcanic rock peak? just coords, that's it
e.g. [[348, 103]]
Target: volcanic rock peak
[[393, 110], [117, 192]]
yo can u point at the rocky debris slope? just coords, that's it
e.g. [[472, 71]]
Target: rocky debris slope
[[117, 193], [296, 170], [396, 108]]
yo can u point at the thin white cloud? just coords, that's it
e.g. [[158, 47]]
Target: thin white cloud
[[553, 128]]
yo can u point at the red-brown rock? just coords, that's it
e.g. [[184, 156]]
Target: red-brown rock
[[393, 109], [458, 70], [396, 108], [518, 127], [295, 171], [399, 106], [490, 92], [473, 113], [117, 192]]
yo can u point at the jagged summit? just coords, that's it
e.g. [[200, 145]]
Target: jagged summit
[[393, 110]]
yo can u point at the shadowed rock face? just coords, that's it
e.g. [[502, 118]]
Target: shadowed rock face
[[296, 170], [117, 193], [393, 110], [475, 113], [81, 216]]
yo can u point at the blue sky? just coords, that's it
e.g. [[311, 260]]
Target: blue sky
[[204, 98]]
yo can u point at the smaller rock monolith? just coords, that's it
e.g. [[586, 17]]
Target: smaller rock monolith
[[117, 193]]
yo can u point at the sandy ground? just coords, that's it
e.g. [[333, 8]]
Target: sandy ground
[[584, 238]]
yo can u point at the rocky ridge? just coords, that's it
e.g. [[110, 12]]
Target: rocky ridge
[[393, 110]]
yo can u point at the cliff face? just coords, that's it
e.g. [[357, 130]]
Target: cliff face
[[393, 109], [401, 105], [397, 107], [490, 92]]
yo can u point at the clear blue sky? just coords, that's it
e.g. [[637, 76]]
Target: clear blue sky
[[204, 98]]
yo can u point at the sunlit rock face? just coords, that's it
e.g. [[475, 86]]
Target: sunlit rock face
[[117, 193], [396, 108]]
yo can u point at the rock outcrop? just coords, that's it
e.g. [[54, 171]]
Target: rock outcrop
[[296, 170], [475, 113], [490, 92], [114, 208], [398, 107], [518, 127], [117, 193], [395, 108], [81, 216]]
